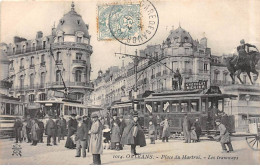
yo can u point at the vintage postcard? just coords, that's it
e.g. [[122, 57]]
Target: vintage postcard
[[130, 82]]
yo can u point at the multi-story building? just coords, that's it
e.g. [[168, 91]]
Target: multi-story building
[[155, 72], [157, 65], [52, 62]]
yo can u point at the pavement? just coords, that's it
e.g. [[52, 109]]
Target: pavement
[[173, 152]]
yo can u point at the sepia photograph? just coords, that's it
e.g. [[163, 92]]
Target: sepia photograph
[[130, 82]]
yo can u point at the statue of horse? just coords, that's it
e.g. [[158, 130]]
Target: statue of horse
[[245, 65]]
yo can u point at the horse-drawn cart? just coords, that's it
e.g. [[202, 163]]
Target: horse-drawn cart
[[253, 138]]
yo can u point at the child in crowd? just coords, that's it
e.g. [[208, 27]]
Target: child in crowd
[[193, 135], [152, 132], [23, 132], [106, 137]]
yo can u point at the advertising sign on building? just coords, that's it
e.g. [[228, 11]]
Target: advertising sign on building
[[201, 84]]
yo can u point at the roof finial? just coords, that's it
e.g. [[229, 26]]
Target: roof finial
[[72, 6]]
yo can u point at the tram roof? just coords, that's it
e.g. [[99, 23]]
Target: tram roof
[[186, 95]]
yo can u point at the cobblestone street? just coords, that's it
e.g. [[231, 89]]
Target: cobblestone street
[[173, 152]]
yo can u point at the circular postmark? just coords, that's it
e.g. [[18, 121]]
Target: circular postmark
[[133, 24]]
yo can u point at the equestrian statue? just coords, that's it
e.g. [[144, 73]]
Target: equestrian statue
[[246, 61]]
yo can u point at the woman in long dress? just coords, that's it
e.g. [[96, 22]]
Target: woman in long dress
[[72, 128]]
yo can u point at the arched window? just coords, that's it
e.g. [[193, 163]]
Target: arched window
[[21, 81], [21, 63], [42, 59], [58, 77], [31, 81], [42, 79], [32, 60], [78, 75]]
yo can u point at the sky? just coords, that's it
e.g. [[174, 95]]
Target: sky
[[223, 22]]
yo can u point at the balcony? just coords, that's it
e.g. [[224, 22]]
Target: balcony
[[203, 71], [32, 66], [21, 67], [79, 62], [58, 62], [72, 45], [70, 84], [26, 50]]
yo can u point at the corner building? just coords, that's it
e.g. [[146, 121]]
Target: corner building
[[36, 65]]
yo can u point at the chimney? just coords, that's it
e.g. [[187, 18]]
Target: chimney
[[53, 31], [18, 39], [39, 34]]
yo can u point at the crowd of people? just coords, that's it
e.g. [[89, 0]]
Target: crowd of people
[[95, 133]]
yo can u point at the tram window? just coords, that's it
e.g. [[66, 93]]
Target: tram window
[[66, 110], [166, 107], [184, 107], [194, 105], [2, 111], [74, 110], [175, 107], [220, 103], [157, 107], [203, 105], [148, 107], [16, 109], [80, 111], [70, 110], [7, 108], [12, 109]]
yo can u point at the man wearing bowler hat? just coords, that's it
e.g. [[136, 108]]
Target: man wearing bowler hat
[[133, 135], [72, 128], [81, 138], [95, 144]]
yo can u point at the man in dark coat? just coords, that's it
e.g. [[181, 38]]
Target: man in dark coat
[[18, 125], [158, 128], [41, 131], [28, 129], [133, 135], [58, 127], [72, 128], [87, 123], [122, 126], [50, 131], [114, 120], [81, 138], [186, 125], [198, 130], [63, 127], [224, 137]]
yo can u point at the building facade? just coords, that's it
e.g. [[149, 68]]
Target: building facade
[[53, 62], [155, 72]]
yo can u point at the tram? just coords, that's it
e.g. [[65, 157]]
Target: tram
[[126, 109], [11, 108], [66, 107], [197, 104]]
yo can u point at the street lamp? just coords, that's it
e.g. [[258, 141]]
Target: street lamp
[[247, 101]]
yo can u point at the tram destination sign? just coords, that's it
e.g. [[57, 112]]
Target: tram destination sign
[[201, 84]]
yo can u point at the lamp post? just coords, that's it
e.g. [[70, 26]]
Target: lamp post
[[247, 101]]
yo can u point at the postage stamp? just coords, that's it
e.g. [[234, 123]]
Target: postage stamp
[[130, 24]]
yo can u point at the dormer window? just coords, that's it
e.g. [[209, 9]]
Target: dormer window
[[14, 50], [44, 44], [186, 39], [78, 56], [78, 21], [79, 39], [34, 46], [60, 39], [24, 48]]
